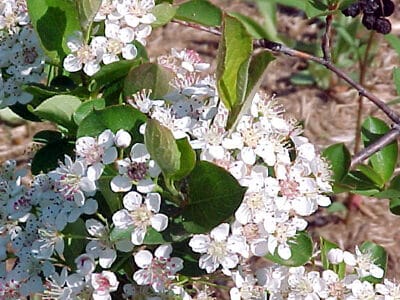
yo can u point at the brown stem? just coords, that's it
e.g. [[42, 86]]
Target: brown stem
[[363, 67], [212, 30], [326, 38], [377, 145]]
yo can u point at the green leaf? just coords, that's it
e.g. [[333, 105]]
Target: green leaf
[[54, 21], [252, 81], [59, 109], [395, 206], [164, 12], [371, 174], [213, 196], [187, 159], [41, 91], [301, 247], [268, 9], [162, 147], [113, 200], [339, 158], [384, 161], [378, 256], [396, 79], [253, 28], [114, 118], [47, 158], [148, 76], [23, 111], [111, 73], [73, 245], [199, 11], [86, 107], [233, 58], [87, 10], [118, 234], [315, 8]]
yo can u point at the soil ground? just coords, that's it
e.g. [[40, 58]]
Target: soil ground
[[329, 116]]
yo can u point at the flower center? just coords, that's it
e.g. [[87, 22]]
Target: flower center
[[217, 249], [141, 217], [85, 54], [137, 171]]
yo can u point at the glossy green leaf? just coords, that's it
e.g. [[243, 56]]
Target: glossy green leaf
[[54, 21], [233, 59], [199, 11], [114, 118], [384, 161], [268, 10], [111, 72], [249, 85], [86, 107], [213, 196], [162, 147], [148, 76], [301, 247], [87, 10], [164, 12], [371, 174], [118, 234], [59, 109], [187, 159], [47, 158], [339, 158], [378, 255]]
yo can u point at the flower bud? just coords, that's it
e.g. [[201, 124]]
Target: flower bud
[[122, 139]]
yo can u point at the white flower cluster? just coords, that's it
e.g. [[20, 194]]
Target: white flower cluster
[[297, 283], [21, 56], [286, 178], [125, 21]]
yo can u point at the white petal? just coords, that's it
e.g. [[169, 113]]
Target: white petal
[[143, 258], [121, 184], [259, 247], [163, 251], [122, 219], [137, 236], [248, 156], [221, 232], [349, 258], [110, 155], [284, 251], [132, 201], [153, 202], [159, 222], [107, 257], [200, 243]]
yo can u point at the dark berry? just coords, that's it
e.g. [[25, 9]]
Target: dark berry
[[382, 25], [352, 11], [369, 6], [388, 8], [368, 21]]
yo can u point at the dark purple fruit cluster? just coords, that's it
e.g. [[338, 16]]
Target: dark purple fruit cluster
[[374, 13]]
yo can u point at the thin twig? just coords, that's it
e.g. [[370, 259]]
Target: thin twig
[[326, 38], [377, 145], [212, 30], [279, 48]]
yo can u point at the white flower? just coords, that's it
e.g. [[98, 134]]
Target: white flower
[[140, 215], [390, 290], [363, 262], [96, 152], [157, 271], [335, 256], [72, 180], [103, 283], [82, 55], [136, 170], [305, 285], [85, 264], [217, 247], [361, 291]]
